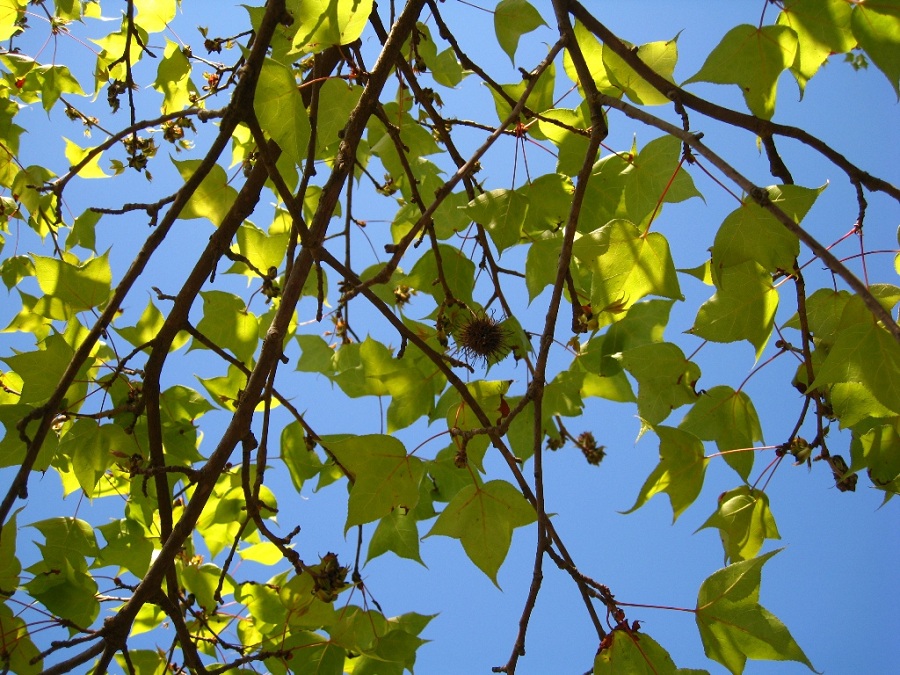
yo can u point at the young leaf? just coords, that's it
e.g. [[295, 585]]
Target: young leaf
[[744, 522], [80, 286], [734, 626], [822, 28], [212, 198], [627, 266], [865, 353], [502, 213], [512, 19], [383, 476], [877, 27], [483, 518], [660, 56], [679, 473], [173, 79], [666, 379], [751, 58], [280, 110], [657, 176], [743, 308], [633, 652], [727, 417], [323, 23]]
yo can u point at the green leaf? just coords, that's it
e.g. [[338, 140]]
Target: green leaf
[[875, 446], [228, 324], [93, 448], [147, 327], [876, 26], [751, 58], [743, 307], [22, 656], [396, 532], [502, 212], [302, 461], [483, 518], [734, 626], [128, 546], [680, 471], [41, 371], [572, 146], [458, 270], [80, 286], [279, 107], [659, 56], [657, 176], [56, 81], [822, 28], [336, 101], [323, 23], [10, 567], [627, 266], [173, 79], [75, 153], [10, 13], [592, 51], [644, 323], [14, 269], [632, 652], [540, 99], [212, 198], [753, 233], [727, 417], [383, 476], [512, 20], [744, 522], [666, 379], [864, 353], [154, 15]]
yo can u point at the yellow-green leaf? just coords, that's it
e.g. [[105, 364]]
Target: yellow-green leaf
[[323, 23], [744, 522], [680, 471], [483, 518], [75, 153], [734, 626], [752, 58], [384, 477]]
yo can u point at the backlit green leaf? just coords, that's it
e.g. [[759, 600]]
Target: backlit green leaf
[[383, 476], [502, 213], [660, 56], [744, 522], [280, 110], [212, 198], [876, 26], [173, 79], [727, 417], [81, 286], [512, 20], [323, 23], [657, 176], [666, 379], [743, 307], [627, 266], [483, 519], [751, 57], [680, 471], [822, 28], [633, 652], [734, 626]]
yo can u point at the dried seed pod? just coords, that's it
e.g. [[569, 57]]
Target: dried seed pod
[[483, 338]]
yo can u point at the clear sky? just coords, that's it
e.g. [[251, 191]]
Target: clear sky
[[835, 585]]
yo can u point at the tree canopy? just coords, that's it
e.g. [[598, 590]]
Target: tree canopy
[[299, 293]]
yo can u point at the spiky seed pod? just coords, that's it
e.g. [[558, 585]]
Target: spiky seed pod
[[483, 338]]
